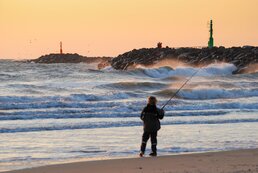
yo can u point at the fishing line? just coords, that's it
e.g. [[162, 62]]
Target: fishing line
[[180, 88]]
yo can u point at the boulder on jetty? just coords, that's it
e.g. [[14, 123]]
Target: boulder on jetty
[[69, 58], [241, 57]]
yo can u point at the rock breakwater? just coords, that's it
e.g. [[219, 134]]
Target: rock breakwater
[[69, 58], [241, 57]]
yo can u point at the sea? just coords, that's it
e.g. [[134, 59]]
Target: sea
[[59, 113]]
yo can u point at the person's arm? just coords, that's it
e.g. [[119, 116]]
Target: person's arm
[[161, 113], [142, 114]]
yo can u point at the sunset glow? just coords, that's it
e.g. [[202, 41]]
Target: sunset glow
[[30, 28]]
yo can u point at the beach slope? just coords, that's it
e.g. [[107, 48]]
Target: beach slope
[[241, 161]]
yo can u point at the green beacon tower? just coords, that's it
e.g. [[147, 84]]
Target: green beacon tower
[[211, 41]]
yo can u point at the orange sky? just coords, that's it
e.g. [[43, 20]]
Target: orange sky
[[30, 28]]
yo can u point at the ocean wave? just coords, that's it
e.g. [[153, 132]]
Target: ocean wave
[[219, 93], [166, 93], [187, 150], [134, 104], [134, 85], [71, 97], [22, 159], [34, 127], [232, 104], [60, 126], [209, 93], [221, 69], [115, 112], [54, 104]]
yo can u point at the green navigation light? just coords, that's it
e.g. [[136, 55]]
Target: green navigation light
[[211, 41]]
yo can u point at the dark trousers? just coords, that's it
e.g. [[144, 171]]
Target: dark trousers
[[145, 138]]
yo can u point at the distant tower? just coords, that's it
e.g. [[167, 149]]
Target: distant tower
[[61, 49], [211, 41]]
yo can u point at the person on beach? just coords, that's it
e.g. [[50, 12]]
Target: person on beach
[[150, 116]]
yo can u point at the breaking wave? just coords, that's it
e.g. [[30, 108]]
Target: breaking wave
[[73, 124], [209, 93], [202, 94], [134, 85], [221, 69], [71, 97]]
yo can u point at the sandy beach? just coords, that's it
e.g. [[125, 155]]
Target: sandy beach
[[240, 161]]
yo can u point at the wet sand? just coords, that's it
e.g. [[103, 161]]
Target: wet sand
[[240, 161]]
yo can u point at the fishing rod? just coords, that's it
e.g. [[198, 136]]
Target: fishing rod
[[180, 88]]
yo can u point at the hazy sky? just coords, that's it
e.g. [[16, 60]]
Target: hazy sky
[[30, 28]]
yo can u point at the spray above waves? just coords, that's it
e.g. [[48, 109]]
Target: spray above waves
[[251, 68], [218, 69]]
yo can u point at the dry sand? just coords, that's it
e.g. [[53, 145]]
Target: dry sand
[[241, 161]]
